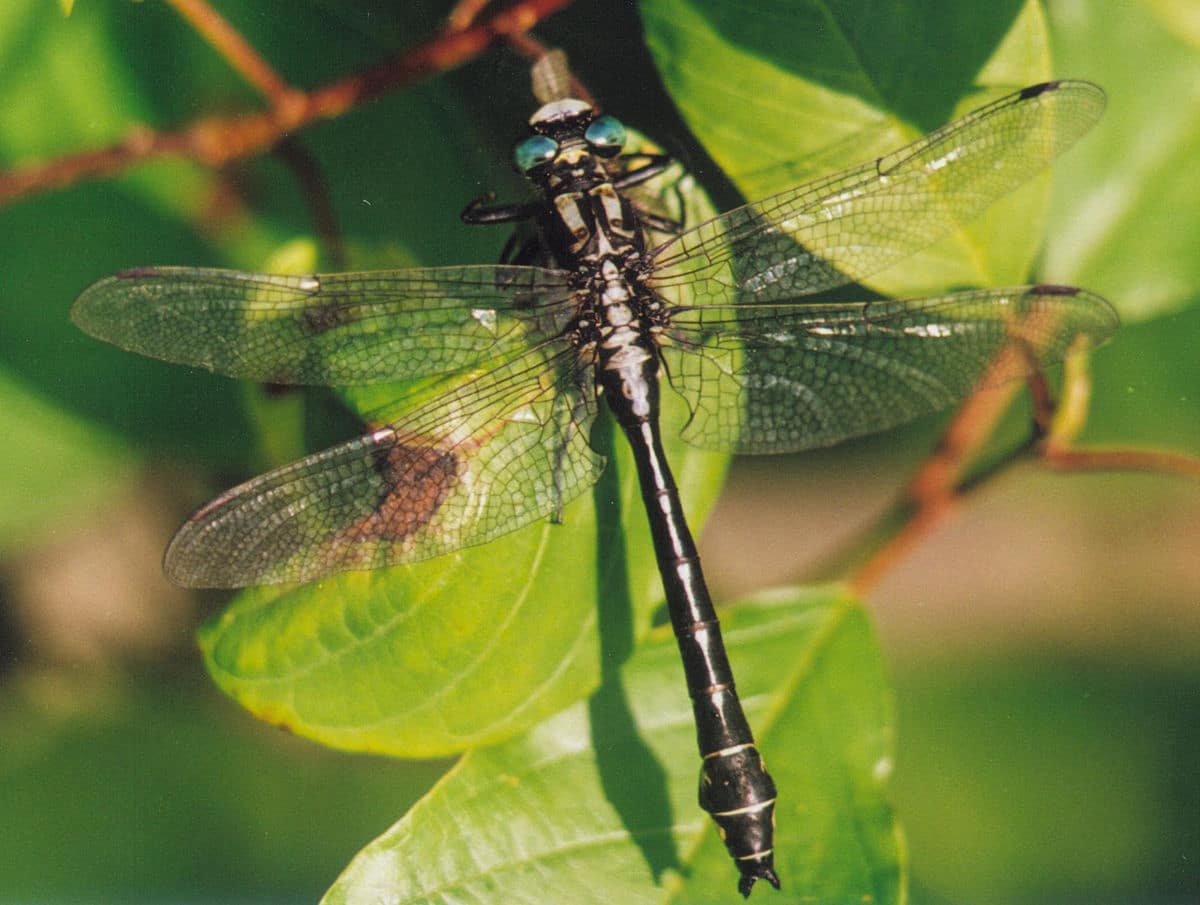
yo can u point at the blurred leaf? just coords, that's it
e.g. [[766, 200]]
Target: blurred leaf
[[796, 89], [72, 66], [1069, 781], [56, 467], [114, 67], [1180, 16], [1146, 386], [1128, 205], [157, 791], [598, 803]]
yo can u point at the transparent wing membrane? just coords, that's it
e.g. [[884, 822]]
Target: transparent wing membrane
[[506, 443], [782, 378], [848, 226], [333, 329], [496, 452]]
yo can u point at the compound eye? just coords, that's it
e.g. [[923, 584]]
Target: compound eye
[[606, 135], [533, 152]]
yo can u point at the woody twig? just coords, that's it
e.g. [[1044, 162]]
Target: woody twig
[[941, 483], [218, 140]]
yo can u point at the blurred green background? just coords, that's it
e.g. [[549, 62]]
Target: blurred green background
[[1044, 643]]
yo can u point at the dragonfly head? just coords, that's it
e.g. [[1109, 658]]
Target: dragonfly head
[[568, 142]]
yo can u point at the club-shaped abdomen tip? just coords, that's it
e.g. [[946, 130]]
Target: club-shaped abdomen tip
[[761, 868], [739, 794]]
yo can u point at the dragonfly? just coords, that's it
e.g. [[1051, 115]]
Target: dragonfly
[[595, 313]]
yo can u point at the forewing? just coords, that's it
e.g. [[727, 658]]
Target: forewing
[[782, 378], [496, 452], [848, 226], [334, 329]]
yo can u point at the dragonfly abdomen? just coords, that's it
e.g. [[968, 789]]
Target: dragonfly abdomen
[[735, 788], [595, 233]]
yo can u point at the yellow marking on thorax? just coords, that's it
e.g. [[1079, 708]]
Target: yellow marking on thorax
[[568, 207]]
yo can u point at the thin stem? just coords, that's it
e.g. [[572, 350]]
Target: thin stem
[[939, 485], [465, 13], [1067, 419], [236, 50], [315, 189], [915, 520], [1121, 459], [216, 141]]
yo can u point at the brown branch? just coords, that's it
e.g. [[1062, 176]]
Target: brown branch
[[464, 14], [939, 486], [236, 50], [242, 56], [966, 435], [216, 141], [1121, 459], [913, 524]]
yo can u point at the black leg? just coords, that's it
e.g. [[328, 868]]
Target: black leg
[[655, 164], [481, 211]]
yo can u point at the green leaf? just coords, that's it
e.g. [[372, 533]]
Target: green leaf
[[789, 90], [598, 803], [1127, 209], [460, 650], [147, 787], [110, 70], [56, 467]]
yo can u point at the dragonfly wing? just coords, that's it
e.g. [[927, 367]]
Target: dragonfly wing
[[333, 329], [846, 227], [495, 452], [782, 378]]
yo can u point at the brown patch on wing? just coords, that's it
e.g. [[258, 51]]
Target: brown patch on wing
[[416, 481], [322, 318]]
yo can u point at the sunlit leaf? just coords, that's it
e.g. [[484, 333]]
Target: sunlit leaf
[[598, 803], [56, 467], [1128, 206], [793, 90]]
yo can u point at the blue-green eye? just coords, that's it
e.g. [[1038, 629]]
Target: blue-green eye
[[534, 151], [606, 136]]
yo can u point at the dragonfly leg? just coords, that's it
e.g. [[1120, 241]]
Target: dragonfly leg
[[655, 164], [653, 221], [529, 252], [482, 210]]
